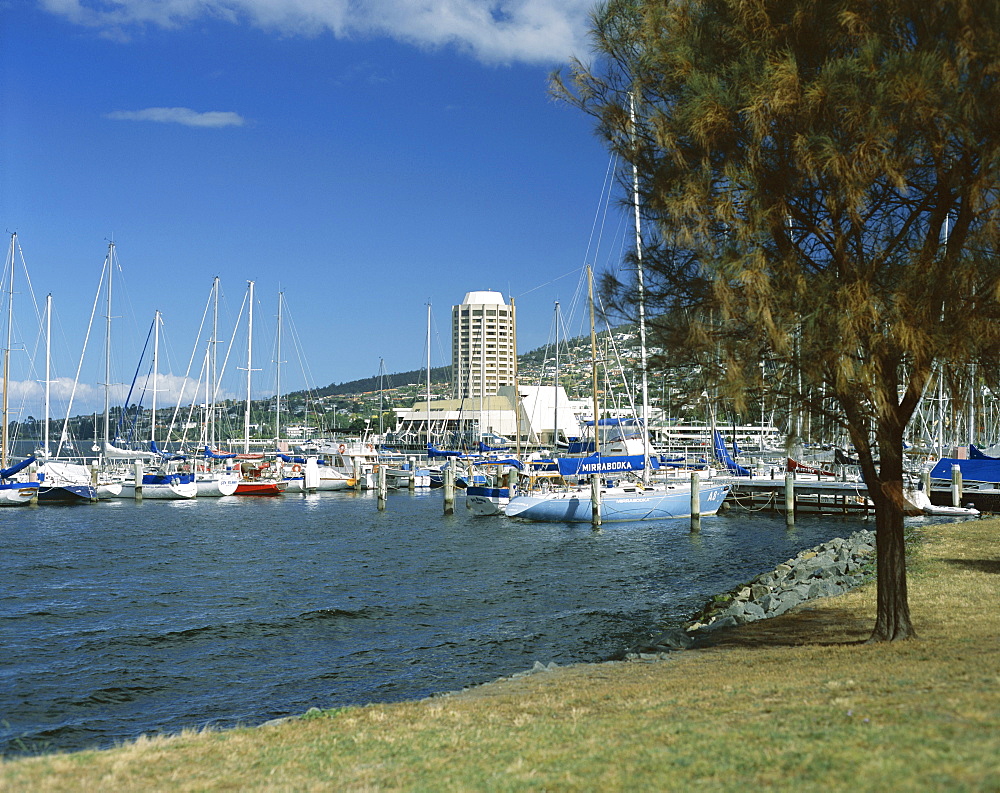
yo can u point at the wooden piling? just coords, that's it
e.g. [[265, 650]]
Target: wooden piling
[[595, 499], [137, 472], [789, 499], [695, 501], [449, 487], [381, 485]]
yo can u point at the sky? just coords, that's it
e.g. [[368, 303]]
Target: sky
[[363, 159]]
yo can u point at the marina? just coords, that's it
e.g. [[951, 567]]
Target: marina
[[123, 618]]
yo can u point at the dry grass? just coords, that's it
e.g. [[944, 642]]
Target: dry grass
[[795, 703]]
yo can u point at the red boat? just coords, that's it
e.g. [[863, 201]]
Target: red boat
[[259, 487]]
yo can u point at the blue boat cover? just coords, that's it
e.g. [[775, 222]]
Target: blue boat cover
[[165, 455], [288, 459], [723, 454], [6, 472], [434, 452], [987, 470], [977, 454], [209, 454], [603, 464]]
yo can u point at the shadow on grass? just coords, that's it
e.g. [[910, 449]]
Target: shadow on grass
[[804, 626], [978, 565]]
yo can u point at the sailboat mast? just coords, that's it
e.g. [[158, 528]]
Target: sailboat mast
[[156, 359], [214, 379], [246, 412], [593, 361], [6, 349], [48, 379], [107, 349], [381, 394], [641, 293], [517, 387], [277, 376], [428, 375], [555, 395]]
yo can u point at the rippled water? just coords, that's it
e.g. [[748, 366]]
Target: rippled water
[[119, 618]]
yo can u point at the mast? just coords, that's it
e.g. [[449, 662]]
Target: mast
[[641, 292], [277, 377], [107, 349], [6, 350], [555, 396], [381, 393], [246, 412], [156, 358], [48, 379], [593, 362], [517, 385], [428, 375], [214, 362]]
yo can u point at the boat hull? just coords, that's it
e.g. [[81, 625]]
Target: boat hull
[[486, 501], [216, 485], [162, 491], [617, 504], [259, 488], [67, 494], [15, 494]]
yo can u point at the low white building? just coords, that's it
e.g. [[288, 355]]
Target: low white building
[[532, 412]]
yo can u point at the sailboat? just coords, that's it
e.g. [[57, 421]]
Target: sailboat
[[55, 482], [214, 476], [168, 481], [16, 492], [619, 500], [256, 477], [13, 492]]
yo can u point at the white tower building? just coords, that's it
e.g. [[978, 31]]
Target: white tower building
[[483, 341]]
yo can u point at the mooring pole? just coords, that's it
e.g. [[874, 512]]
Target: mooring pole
[[449, 487], [381, 488], [956, 485], [137, 472], [595, 499], [695, 501], [789, 499]]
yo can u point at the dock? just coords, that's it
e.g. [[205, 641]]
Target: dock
[[809, 495]]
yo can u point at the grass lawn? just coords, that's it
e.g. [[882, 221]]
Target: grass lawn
[[798, 702]]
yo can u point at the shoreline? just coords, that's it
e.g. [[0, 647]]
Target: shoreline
[[800, 700]]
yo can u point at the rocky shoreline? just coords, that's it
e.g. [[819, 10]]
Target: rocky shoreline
[[824, 570], [828, 569]]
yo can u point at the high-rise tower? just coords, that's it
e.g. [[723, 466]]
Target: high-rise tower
[[483, 354]]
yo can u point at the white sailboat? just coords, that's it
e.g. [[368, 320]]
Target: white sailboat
[[611, 499], [15, 489], [214, 478], [168, 481]]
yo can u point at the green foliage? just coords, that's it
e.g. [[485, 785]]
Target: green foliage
[[821, 181]]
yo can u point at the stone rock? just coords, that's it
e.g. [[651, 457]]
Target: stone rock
[[675, 639], [757, 591], [722, 622]]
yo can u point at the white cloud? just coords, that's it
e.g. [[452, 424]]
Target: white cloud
[[494, 31], [180, 115]]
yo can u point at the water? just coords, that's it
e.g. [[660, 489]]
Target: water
[[120, 619]]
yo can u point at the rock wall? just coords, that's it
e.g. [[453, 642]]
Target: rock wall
[[827, 569]]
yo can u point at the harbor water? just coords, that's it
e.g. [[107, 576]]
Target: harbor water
[[122, 618]]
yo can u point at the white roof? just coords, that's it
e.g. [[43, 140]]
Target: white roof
[[484, 298]]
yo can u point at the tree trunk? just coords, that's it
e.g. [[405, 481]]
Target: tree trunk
[[893, 611]]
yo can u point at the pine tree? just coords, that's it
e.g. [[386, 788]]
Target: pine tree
[[822, 179]]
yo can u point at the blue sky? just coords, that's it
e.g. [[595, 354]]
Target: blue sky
[[365, 159]]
